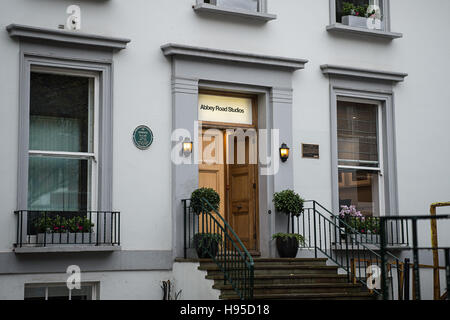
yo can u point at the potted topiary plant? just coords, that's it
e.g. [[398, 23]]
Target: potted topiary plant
[[201, 194], [290, 203], [363, 16], [207, 244], [288, 243]]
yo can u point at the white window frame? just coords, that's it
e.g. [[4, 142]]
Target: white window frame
[[93, 177], [380, 136], [384, 5], [261, 4], [46, 286], [385, 33]]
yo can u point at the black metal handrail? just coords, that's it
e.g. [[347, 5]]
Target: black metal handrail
[[230, 254], [419, 245], [43, 228], [396, 230], [342, 244]]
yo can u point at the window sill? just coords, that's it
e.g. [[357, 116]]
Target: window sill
[[66, 248], [341, 28], [258, 16]]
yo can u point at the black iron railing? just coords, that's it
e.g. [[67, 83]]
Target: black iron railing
[[228, 252], [55, 228], [355, 253], [425, 257], [366, 230]]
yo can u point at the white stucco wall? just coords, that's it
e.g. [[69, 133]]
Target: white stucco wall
[[111, 285], [132, 285], [142, 95]]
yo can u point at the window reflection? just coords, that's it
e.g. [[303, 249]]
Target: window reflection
[[359, 188], [358, 156], [250, 5]]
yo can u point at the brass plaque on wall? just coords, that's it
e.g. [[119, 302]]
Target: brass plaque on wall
[[310, 151]]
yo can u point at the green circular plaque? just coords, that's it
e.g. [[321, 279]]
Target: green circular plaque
[[142, 137]]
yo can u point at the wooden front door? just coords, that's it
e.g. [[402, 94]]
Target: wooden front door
[[242, 190], [211, 168]]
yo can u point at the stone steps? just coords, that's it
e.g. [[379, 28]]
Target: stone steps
[[262, 289], [289, 279], [278, 269], [307, 296], [303, 279]]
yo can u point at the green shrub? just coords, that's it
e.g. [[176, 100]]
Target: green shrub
[[349, 9], [80, 224], [205, 239], [208, 194], [363, 225], [44, 224], [288, 202], [59, 224], [206, 244], [284, 236]]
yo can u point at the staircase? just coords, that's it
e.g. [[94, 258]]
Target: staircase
[[292, 279]]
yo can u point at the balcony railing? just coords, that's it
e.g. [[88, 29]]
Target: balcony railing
[[364, 230], [355, 253], [61, 228], [430, 260]]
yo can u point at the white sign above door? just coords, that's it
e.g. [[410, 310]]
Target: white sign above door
[[224, 109]]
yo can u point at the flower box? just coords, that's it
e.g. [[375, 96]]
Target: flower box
[[69, 238], [362, 22]]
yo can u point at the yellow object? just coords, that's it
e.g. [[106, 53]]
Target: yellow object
[[434, 245]]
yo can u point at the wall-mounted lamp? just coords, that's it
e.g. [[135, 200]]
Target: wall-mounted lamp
[[284, 152], [187, 147]]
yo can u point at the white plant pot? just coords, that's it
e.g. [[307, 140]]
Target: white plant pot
[[52, 239], [362, 22]]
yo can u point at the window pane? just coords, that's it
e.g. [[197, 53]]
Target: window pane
[[251, 5], [85, 293], [34, 293], [60, 115], [58, 293], [58, 184], [340, 6], [357, 134], [360, 189]]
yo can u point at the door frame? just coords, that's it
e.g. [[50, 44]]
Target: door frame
[[223, 126]]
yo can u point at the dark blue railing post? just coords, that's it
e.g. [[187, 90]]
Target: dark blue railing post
[[185, 226], [447, 271], [384, 279], [406, 279], [315, 233], [416, 260]]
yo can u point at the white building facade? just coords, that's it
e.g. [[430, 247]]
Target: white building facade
[[363, 109]]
